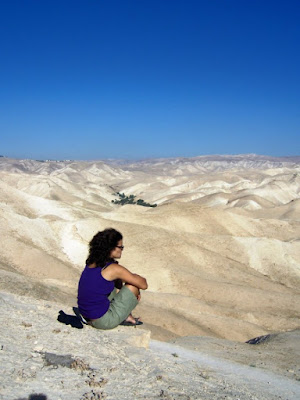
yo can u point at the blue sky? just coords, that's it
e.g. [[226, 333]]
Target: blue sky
[[157, 78]]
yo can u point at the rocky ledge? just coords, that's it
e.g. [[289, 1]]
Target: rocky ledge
[[42, 359]]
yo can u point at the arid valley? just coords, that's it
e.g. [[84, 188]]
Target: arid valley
[[220, 251]]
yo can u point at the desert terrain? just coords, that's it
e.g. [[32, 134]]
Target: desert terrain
[[220, 251]]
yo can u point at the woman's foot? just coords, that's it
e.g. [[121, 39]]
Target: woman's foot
[[131, 321]]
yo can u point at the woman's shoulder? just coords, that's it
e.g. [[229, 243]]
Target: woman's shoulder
[[111, 266], [109, 271]]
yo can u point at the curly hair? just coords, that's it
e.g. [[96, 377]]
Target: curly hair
[[101, 246]]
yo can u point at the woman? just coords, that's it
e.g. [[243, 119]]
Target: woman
[[99, 302]]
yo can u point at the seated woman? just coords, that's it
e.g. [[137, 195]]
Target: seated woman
[[99, 302]]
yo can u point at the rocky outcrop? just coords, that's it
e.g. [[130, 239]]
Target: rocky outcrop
[[42, 359]]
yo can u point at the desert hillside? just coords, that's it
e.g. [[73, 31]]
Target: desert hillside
[[221, 251]]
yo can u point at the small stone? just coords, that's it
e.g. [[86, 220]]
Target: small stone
[[26, 324]]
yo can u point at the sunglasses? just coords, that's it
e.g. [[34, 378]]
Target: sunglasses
[[120, 247]]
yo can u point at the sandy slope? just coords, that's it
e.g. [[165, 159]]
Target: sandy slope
[[280, 352], [221, 252]]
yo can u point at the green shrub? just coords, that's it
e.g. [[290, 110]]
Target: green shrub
[[123, 199]]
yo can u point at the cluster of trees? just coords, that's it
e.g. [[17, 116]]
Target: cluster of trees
[[123, 199]]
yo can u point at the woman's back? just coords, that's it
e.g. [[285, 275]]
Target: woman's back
[[93, 292]]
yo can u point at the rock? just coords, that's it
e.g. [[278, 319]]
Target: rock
[[140, 338], [38, 348]]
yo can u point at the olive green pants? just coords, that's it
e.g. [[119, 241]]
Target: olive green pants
[[121, 305]]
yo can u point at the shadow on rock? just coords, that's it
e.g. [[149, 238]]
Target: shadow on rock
[[35, 396]]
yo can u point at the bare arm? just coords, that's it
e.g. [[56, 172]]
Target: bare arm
[[117, 271]]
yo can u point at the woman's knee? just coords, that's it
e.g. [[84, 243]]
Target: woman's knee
[[133, 289]]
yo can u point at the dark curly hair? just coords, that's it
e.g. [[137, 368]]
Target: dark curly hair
[[101, 246]]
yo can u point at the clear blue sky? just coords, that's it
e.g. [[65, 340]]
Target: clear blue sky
[[157, 78]]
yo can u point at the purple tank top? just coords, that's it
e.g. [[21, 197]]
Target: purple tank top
[[93, 292]]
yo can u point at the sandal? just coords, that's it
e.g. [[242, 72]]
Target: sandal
[[128, 323]]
